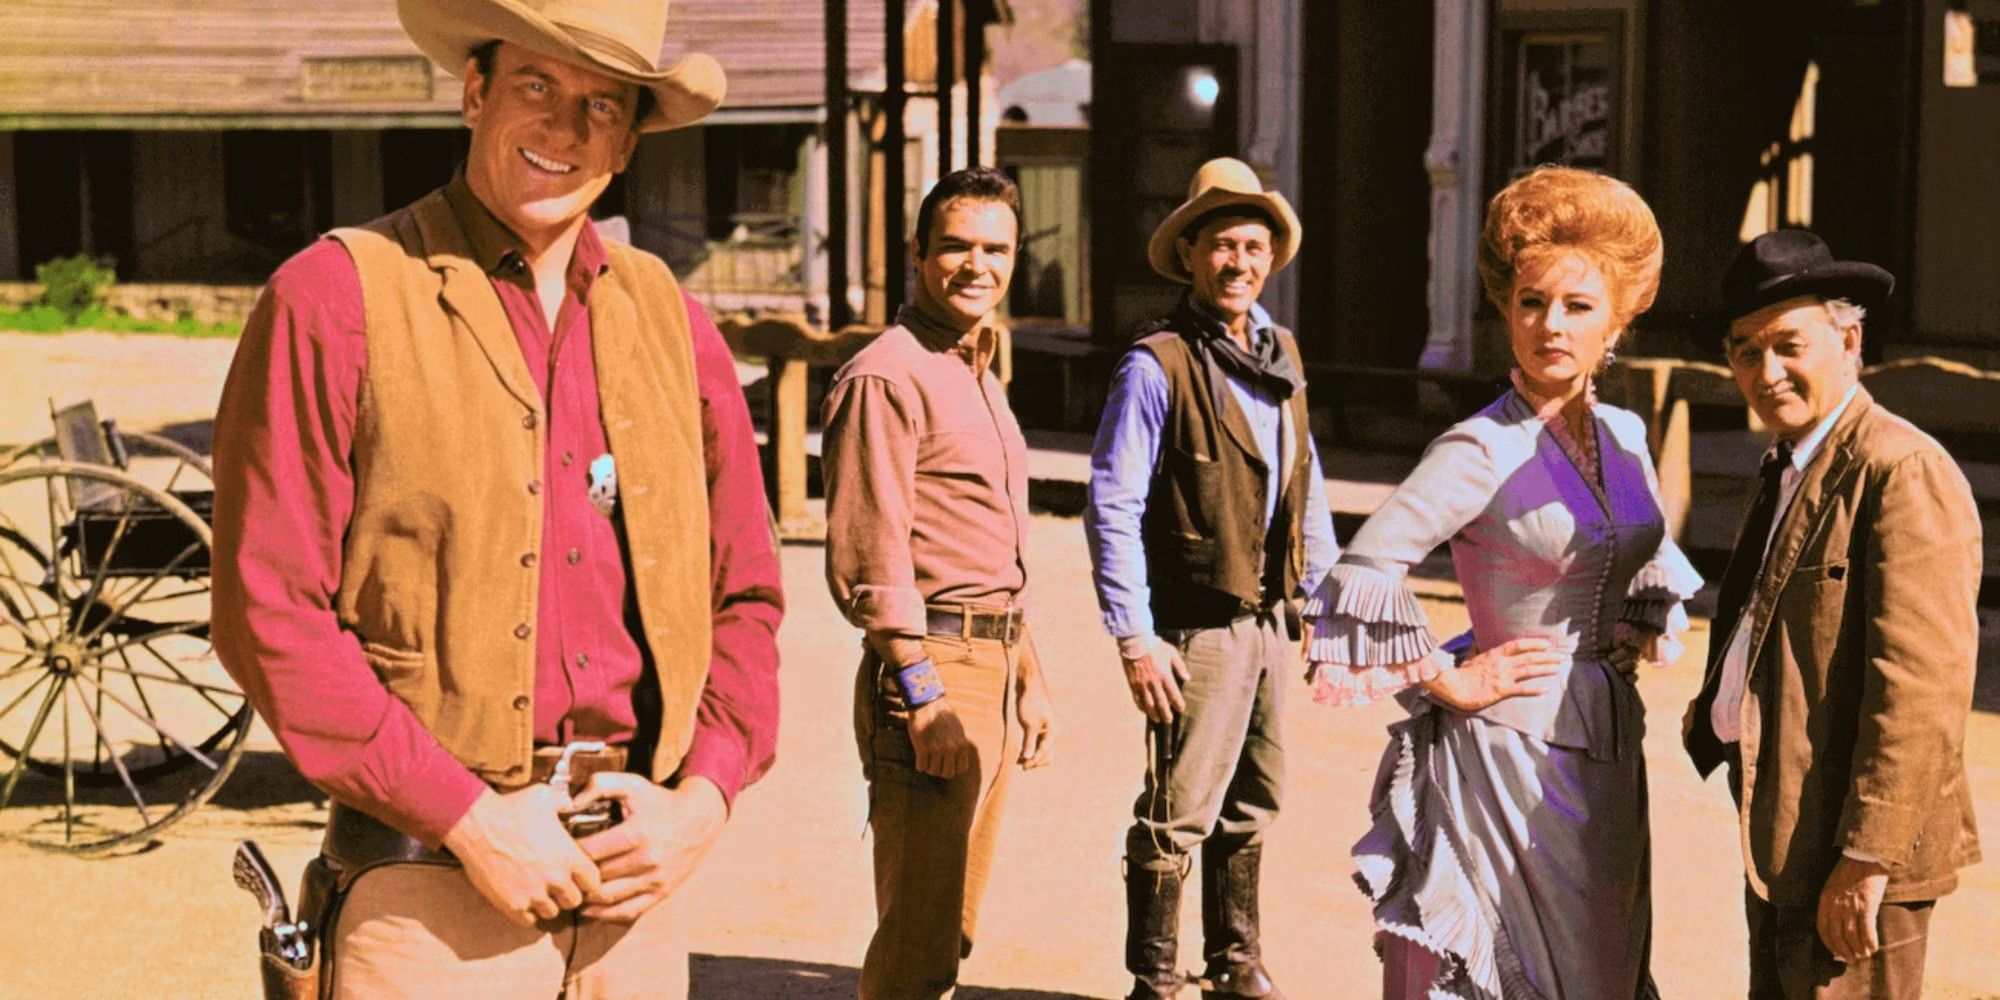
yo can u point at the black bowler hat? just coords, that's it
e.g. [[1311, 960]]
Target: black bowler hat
[[1787, 263]]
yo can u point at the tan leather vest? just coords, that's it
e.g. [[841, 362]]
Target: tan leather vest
[[441, 556]]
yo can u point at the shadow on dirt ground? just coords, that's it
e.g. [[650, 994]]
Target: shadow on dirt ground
[[265, 778], [738, 977]]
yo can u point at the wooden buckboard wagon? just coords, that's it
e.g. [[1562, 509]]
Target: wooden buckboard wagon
[[116, 720]]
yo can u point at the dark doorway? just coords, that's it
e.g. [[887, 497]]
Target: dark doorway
[[74, 192], [1365, 198], [1176, 108]]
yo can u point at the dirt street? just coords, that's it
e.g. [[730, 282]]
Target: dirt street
[[783, 908]]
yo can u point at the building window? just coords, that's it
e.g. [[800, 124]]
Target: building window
[[753, 180], [1558, 90], [1783, 195]]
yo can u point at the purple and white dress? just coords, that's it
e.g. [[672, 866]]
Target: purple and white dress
[[1511, 844]]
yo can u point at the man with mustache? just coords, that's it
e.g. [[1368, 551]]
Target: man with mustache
[[926, 550], [1207, 519], [1844, 644], [492, 553]]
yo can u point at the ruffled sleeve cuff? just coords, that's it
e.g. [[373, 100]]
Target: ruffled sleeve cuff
[[1655, 597], [1366, 617], [1370, 636]]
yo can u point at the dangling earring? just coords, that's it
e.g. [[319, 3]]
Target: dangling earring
[[1611, 352]]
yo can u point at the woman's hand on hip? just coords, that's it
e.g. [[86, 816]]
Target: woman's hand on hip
[[1495, 675]]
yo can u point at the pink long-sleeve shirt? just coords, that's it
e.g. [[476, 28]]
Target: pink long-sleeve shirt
[[284, 440]]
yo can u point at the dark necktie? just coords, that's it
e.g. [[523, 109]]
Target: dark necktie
[[1747, 562]]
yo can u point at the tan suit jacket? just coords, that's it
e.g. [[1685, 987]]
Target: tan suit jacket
[[1863, 644]]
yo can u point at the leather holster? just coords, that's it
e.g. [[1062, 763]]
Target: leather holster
[[281, 979]]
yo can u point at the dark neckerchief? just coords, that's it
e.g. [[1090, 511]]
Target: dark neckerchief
[[1265, 365]]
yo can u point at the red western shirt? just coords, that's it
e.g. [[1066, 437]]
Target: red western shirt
[[367, 747]]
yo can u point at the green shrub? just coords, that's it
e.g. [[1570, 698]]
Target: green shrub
[[75, 285], [35, 319], [49, 319]]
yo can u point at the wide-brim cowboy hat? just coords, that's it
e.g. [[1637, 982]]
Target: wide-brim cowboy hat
[[1788, 263], [1222, 183], [618, 38]]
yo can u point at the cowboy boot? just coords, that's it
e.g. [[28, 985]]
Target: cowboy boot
[[1235, 966], [1152, 925]]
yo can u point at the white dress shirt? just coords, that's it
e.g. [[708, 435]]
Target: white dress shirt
[[1726, 714]]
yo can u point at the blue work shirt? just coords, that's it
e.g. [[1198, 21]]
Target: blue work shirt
[[1121, 475]]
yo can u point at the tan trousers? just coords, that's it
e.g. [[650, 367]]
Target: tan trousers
[[934, 838], [423, 931]]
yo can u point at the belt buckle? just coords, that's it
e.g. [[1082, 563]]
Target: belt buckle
[[588, 821]]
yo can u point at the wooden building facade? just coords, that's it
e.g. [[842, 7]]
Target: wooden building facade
[[209, 142], [1390, 125]]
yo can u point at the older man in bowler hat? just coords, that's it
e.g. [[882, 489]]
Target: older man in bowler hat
[[1841, 665], [1207, 519], [493, 559]]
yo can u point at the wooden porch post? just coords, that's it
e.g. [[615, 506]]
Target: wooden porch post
[[839, 311], [975, 69], [947, 80], [894, 229]]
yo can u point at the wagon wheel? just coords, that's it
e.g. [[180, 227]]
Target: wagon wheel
[[116, 720], [179, 467]]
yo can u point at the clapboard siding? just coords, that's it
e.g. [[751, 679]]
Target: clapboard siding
[[125, 57]]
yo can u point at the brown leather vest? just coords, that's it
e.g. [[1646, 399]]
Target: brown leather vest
[[440, 580], [1209, 555]]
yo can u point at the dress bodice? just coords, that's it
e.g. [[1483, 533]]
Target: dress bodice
[[1544, 557], [1537, 553]]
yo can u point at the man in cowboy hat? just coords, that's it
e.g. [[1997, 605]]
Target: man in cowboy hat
[[493, 559], [1841, 666], [926, 550], [1207, 519]]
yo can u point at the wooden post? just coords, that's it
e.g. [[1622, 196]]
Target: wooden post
[[11, 266], [1674, 463], [787, 421], [975, 69], [839, 311], [894, 229], [947, 79]]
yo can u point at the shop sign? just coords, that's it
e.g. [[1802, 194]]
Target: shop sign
[[365, 79], [1562, 88]]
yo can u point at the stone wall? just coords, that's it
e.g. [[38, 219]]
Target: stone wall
[[156, 302]]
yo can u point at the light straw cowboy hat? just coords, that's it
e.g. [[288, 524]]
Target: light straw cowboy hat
[[1219, 183], [618, 38]]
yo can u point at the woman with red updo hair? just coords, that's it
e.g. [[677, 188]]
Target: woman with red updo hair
[[1509, 854]]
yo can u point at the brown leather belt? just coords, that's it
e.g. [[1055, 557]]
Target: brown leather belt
[[968, 622], [355, 840]]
